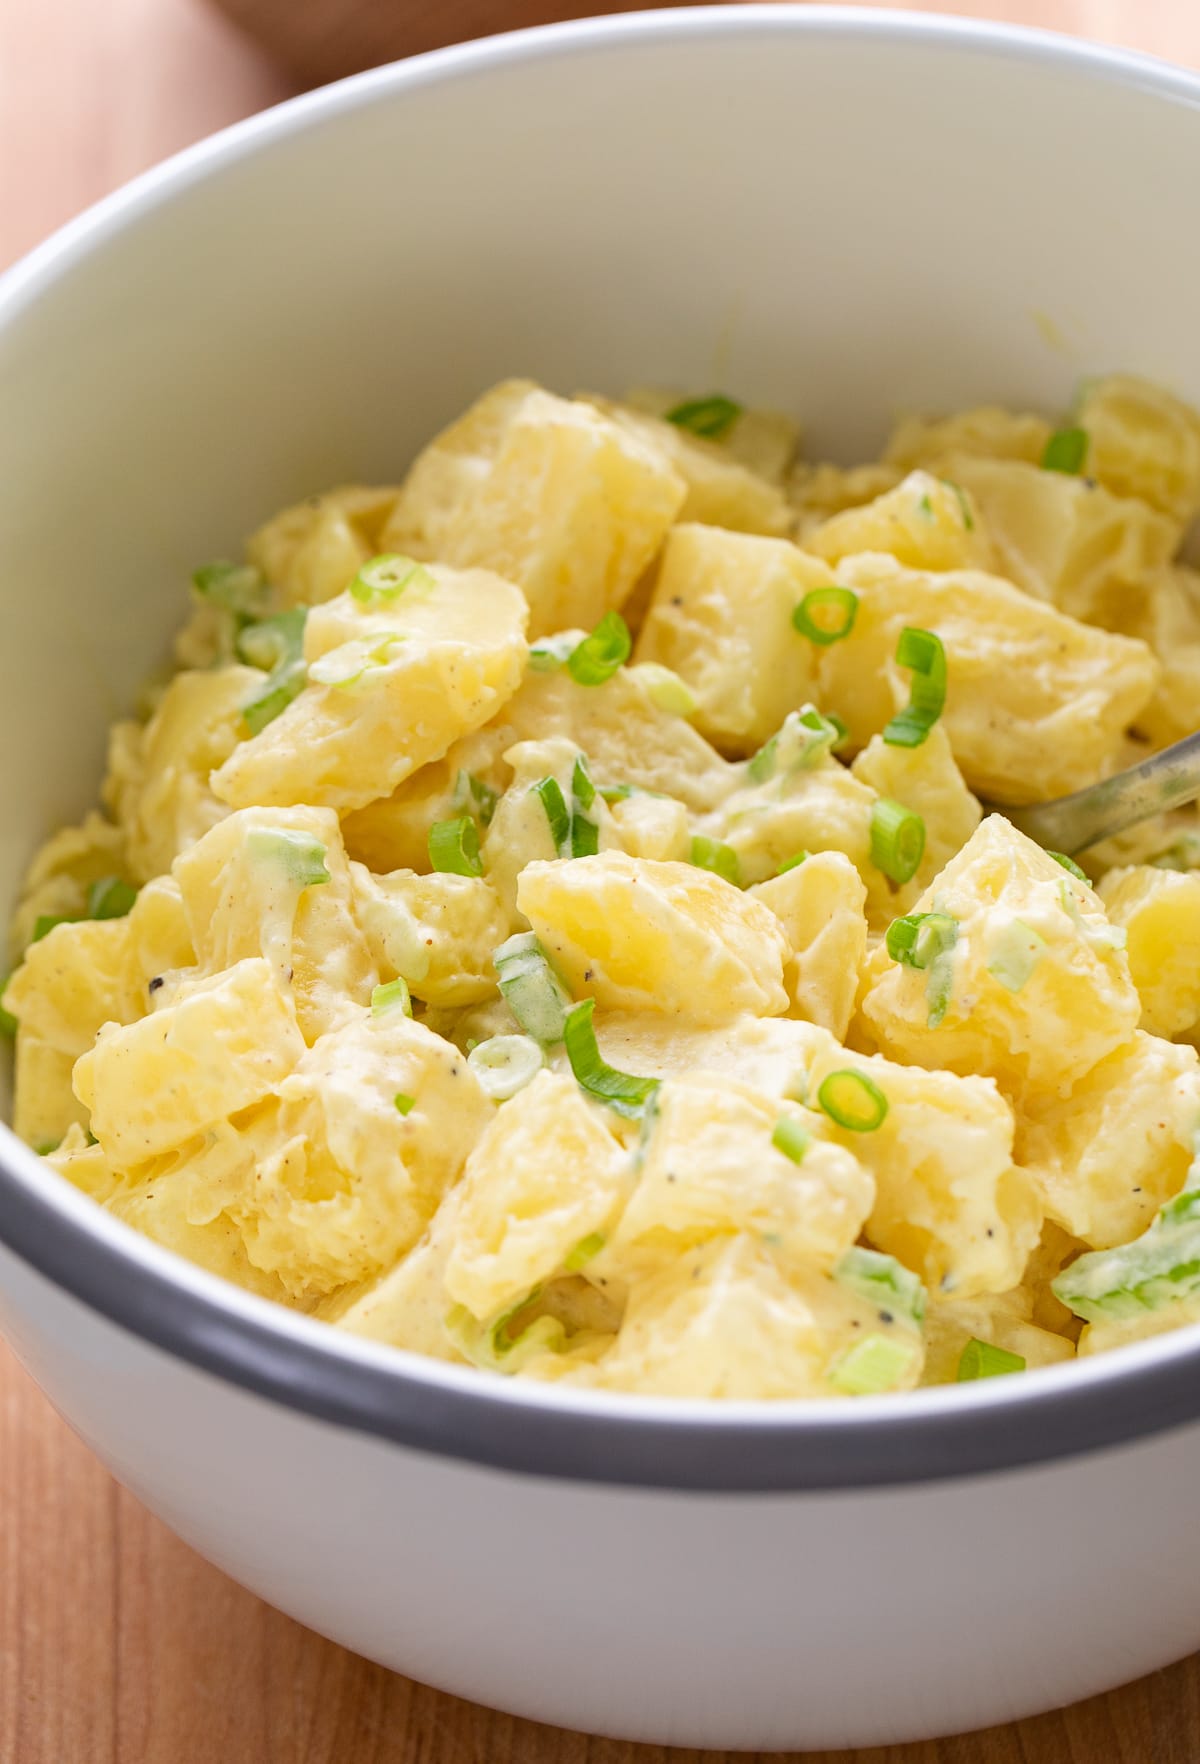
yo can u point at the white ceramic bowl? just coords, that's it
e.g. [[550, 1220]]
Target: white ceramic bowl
[[839, 212]]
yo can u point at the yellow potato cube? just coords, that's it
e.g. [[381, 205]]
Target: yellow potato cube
[[437, 931], [721, 490], [725, 1321], [1169, 621], [161, 1209], [390, 686], [546, 1176], [346, 1179], [275, 883], [549, 493], [765, 441], [46, 1105], [1067, 539], [988, 432], [818, 491], [1108, 1156], [711, 1166], [1039, 993], [85, 1166], [1142, 442], [1160, 913], [96, 971], [639, 935], [721, 618], [57, 881], [313, 551], [220, 1046], [408, 1304], [158, 789], [924, 522], [820, 904], [1036, 704]]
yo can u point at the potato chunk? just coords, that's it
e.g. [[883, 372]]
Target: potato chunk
[[547, 1176], [987, 432], [221, 1045], [1169, 621], [437, 931], [1143, 442], [924, 522], [549, 493], [1039, 992], [764, 441], [820, 904], [1067, 539], [1160, 913], [721, 617], [640, 935], [314, 550], [390, 686], [1036, 705], [1109, 1155]]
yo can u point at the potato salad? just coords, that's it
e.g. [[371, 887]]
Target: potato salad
[[558, 915]]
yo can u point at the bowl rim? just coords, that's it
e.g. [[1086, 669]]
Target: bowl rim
[[511, 1425]]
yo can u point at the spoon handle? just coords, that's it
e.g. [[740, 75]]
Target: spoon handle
[[1071, 823]]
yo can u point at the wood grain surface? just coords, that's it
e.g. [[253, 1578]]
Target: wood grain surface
[[117, 1644]]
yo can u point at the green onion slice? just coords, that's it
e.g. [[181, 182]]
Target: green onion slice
[[1160, 1267], [386, 577], [791, 1138], [897, 839], [550, 795], [793, 863], [391, 997], [8, 1023], [873, 1365], [919, 938], [853, 1100], [504, 1064], [454, 847], [598, 657], [582, 788], [237, 588], [277, 646], [826, 615], [110, 898], [298, 855], [621, 1091], [404, 1103], [1014, 950], [584, 1251], [922, 651], [47, 922], [883, 1282], [1069, 864], [534, 991], [710, 417], [982, 1359], [664, 688], [476, 797], [1066, 451], [550, 653], [800, 743], [494, 1347], [714, 855]]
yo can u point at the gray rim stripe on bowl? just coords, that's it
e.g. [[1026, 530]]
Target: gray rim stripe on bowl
[[1000, 1424]]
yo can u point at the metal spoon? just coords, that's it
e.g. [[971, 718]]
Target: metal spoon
[[1071, 823]]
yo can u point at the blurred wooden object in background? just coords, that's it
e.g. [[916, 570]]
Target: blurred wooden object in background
[[319, 40]]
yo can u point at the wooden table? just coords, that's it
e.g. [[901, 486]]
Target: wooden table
[[117, 1644]]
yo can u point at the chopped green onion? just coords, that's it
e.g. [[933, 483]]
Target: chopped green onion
[[1066, 451], [504, 1064], [922, 651], [276, 645], [1014, 951], [549, 793], [299, 855], [585, 837], [826, 615], [1069, 864], [710, 417], [550, 653], [44, 1147], [621, 792], [405, 1103], [237, 588], [919, 938], [470, 790], [792, 1139], [926, 507], [981, 1359], [387, 576], [874, 1364], [897, 839], [853, 1100], [800, 743], [622, 1092], [535, 993], [110, 898], [493, 1347], [454, 847], [964, 505], [714, 855], [598, 657], [883, 1282], [840, 729], [664, 688], [582, 788], [793, 863], [47, 922], [585, 1250], [8, 1023], [394, 996], [1160, 1267]]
